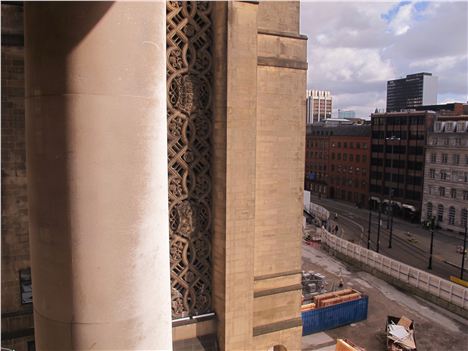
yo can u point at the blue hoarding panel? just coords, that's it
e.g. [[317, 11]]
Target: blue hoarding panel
[[335, 316]]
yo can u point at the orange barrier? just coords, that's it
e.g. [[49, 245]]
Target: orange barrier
[[459, 281]]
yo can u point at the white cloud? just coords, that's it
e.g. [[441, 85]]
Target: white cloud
[[355, 47], [346, 64], [439, 63], [403, 19]]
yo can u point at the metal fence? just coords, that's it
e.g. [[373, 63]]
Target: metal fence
[[444, 289]]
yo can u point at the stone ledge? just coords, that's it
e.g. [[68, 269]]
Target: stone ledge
[[284, 63], [276, 275], [273, 327], [277, 290], [282, 34]]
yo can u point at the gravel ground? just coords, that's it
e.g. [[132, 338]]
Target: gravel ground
[[436, 329]]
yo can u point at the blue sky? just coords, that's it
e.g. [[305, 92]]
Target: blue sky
[[355, 47]]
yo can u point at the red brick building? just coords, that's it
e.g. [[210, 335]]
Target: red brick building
[[316, 167], [337, 162]]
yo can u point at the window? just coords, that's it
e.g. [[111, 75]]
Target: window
[[364, 158], [443, 175], [351, 157], [358, 158], [465, 195], [440, 213], [25, 286], [364, 145], [345, 145], [464, 217], [432, 173], [456, 159], [429, 210], [31, 346], [441, 191], [351, 145], [453, 193], [358, 145], [446, 141], [433, 158], [339, 156], [444, 158], [345, 157], [466, 159], [333, 155], [451, 216], [458, 141], [339, 144]]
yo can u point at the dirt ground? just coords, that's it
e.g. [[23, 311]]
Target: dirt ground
[[435, 328]]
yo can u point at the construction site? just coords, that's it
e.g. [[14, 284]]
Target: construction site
[[390, 319]]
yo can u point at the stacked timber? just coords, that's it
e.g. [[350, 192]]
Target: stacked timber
[[335, 297]]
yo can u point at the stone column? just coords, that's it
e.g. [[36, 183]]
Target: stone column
[[97, 174], [234, 143]]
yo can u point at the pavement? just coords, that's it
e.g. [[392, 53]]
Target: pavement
[[436, 329], [410, 242]]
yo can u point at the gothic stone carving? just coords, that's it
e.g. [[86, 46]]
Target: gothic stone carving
[[189, 152]]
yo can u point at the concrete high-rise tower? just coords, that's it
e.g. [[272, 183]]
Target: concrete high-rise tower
[[318, 105], [415, 90]]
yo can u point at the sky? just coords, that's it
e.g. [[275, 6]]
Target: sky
[[354, 48]]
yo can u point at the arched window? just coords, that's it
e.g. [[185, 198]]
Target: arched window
[[429, 210], [440, 213], [451, 215], [278, 348], [464, 217]]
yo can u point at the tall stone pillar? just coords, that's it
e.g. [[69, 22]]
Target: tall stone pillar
[[97, 174]]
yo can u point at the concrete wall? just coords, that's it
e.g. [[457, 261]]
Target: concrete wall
[[405, 281]]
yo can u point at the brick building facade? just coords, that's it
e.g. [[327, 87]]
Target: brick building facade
[[17, 317], [337, 162], [349, 164], [317, 159]]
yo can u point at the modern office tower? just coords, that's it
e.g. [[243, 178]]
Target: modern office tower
[[397, 160], [346, 114], [410, 92], [318, 105], [446, 173]]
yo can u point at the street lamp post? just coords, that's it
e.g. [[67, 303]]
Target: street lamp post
[[378, 226], [464, 252], [390, 213], [391, 221], [431, 226], [370, 223], [369, 227]]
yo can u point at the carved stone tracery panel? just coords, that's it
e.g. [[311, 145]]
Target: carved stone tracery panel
[[189, 119]]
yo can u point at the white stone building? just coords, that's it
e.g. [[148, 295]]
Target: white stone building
[[446, 173]]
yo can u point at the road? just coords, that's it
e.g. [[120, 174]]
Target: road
[[410, 242]]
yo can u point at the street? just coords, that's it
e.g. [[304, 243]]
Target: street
[[410, 242]]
